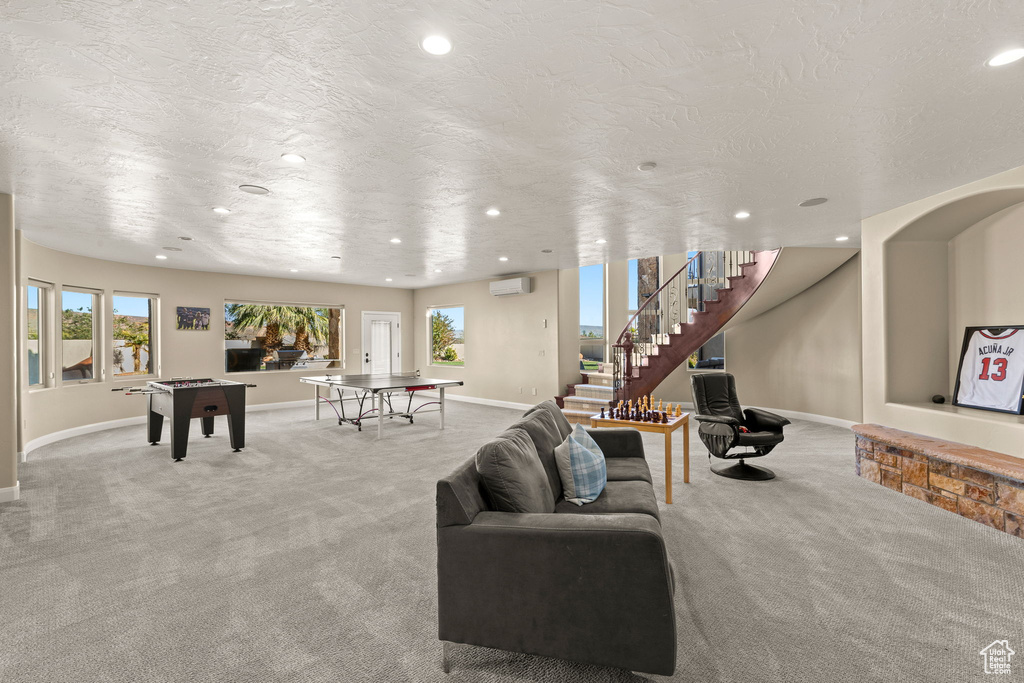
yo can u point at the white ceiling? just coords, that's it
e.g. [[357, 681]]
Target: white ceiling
[[122, 123]]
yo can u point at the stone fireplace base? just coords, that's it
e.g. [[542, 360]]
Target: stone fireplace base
[[982, 485]]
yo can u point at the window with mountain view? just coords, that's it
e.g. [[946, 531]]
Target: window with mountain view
[[134, 334], [36, 302], [261, 337], [592, 337], [447, 335], [78, 327]]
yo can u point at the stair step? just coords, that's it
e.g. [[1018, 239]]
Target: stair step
[[601, 379], [594, 405], [594, 391], [578, 416]]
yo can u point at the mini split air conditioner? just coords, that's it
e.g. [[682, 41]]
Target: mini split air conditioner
[[517, 285]]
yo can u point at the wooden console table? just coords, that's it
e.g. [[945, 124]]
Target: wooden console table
[[673, 424]]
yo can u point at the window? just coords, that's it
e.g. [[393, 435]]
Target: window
[[134, 334], [591, 317], [37, 297], [269, 336], [447, 335], [78, 332]]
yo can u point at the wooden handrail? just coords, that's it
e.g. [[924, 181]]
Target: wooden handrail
[[619, 341]]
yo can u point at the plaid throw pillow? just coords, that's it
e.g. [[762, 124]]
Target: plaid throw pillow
[[582, 471], [579, 432]]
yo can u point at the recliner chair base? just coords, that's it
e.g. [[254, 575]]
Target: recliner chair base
[[742, 470]]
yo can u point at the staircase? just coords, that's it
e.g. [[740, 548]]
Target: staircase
[[586, 400], [686, 312], [671, 324]]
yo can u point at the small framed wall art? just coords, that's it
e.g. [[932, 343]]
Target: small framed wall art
[[193, 318]]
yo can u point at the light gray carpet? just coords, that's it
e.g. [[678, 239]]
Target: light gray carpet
[[310, 557]]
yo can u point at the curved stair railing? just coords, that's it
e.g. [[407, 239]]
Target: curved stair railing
[[682, 315]]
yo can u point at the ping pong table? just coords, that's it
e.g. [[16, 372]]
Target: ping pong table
[[379, 389]]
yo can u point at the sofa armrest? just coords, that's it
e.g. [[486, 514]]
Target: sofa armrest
[[618, 442], [764, 421], [721, 419], [589, 588]]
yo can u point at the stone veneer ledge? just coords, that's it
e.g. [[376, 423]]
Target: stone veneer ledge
[[982, 485]]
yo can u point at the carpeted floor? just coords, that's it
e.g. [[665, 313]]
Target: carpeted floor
[[310, 557]]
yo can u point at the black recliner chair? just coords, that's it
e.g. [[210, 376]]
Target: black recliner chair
[[724, 425]]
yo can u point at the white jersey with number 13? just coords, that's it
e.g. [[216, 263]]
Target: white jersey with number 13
[[993, 370]]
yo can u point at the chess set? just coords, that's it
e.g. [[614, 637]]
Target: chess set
[[644, 411]]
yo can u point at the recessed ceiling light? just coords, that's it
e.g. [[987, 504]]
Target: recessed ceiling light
[[395, 240], [162, 257], [503, 258], [221, 209], [293, 158], [842, 238], [253, 189], [742, 214], [647, 166], [183, 238], [814, 202], [293, 270], [336, 258], [387, 279], [493, 212], [437, 270], [436, 45], [1008, 57], [171, 249], [602, 241]]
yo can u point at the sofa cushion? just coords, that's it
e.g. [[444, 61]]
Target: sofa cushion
[[512, 474], [564, 428], [618, 496], [546, 436], [582, 471], [628, 469]]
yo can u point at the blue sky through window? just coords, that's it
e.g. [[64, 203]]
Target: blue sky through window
[[458, 316], [592, 295], [632, 279], [76, 300], [132, 305]]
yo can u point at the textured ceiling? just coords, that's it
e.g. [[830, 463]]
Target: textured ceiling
[[122, 123]]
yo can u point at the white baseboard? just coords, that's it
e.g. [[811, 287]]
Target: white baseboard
[[136, 420], [797, 415], [480, 401], [10, 494]]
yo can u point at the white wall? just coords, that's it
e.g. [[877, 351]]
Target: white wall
[[803, 355], [180, 352], [509, 350]]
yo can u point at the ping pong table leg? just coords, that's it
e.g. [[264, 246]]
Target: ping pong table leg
[[380, 414], [441, 399]]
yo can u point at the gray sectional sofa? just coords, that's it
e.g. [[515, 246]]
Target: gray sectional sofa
[[589, 583]]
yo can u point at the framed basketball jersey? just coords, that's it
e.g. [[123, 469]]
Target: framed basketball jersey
[[991, 372]]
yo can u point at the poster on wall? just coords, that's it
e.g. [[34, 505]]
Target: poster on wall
[[991, 371], [193, 318]]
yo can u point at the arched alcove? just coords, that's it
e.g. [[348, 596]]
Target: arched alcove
[[925, 293]]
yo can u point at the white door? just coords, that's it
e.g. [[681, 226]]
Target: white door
[[382, 343]]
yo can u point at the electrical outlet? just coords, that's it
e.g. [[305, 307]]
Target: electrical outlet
[[520, 390], [534, 391], [545, 322]]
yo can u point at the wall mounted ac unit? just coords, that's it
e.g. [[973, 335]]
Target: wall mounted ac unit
[[517, 285]]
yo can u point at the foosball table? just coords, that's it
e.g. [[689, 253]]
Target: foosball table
[[182, 399]]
